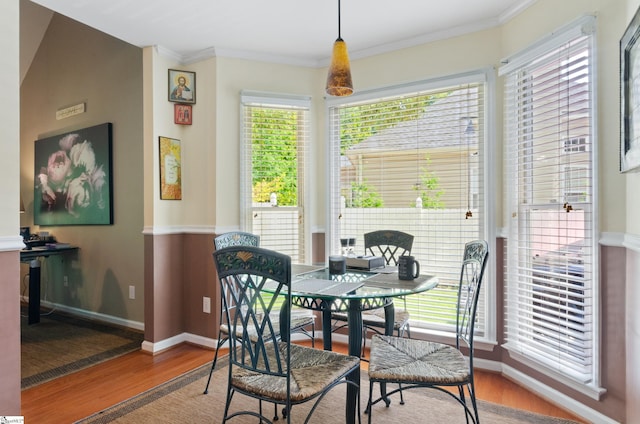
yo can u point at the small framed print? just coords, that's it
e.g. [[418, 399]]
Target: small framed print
[[182, 86], [182, 114], [170, 169]]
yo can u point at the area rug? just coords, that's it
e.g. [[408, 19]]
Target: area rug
[[61, 344], [181, 400]]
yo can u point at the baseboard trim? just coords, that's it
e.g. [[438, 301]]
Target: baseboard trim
[[194, 339], [556, 397], [135, 325]]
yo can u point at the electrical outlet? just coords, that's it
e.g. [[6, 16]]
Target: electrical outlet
[[65, 281], [206, 305], [132, 292]]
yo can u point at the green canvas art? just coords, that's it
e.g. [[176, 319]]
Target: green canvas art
[[73, 178]]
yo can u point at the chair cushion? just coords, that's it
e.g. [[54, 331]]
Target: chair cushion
[[298, 320], [312, 370], [402, 360]]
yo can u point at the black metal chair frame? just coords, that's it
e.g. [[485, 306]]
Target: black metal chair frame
[[260, 365], [240, 238], [232, 238], [390, 244], [471, 276]]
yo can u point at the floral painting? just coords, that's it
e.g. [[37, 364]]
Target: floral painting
[[73, 178]]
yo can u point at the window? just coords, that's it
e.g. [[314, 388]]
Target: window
[[275, 136], [551, 265], [412, 158]]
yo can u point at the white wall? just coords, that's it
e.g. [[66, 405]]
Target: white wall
[[10, 118]]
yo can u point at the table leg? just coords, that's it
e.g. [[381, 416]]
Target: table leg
[[284, 323], [326, 326], [34, 292], [354, 317], [389, 318]]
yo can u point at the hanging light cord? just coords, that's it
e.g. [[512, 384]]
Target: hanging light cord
[[339, 36]]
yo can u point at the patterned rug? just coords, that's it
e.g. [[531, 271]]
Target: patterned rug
[[181, 400], [61, 344]]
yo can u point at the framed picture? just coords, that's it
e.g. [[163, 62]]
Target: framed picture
[[182, 114], [182, 86], [73, 181], [170, 169], [630, 96]]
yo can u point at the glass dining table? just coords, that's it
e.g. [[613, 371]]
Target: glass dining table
[[315, 288]]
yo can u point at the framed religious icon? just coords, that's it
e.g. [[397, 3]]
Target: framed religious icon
[[630, 96], [170, 169], [182, 86], [182, 114]]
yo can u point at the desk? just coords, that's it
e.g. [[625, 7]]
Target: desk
[[32, 256], [371, 290]]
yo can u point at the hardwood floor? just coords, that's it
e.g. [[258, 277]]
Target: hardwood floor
[[73, 397]]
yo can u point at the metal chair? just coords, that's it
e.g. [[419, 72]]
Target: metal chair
[[260, 365], [420, 363], [299, 321], [233, 238], [390, 244]]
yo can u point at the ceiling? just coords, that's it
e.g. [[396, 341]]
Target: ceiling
[[298, 32]]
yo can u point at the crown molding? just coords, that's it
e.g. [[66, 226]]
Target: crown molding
[[354, 54]]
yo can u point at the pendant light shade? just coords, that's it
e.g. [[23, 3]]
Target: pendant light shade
[[339, 78]]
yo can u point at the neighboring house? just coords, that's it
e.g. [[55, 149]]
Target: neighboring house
[[442, 143]]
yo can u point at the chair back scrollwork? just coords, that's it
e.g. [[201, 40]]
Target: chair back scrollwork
[[390, 244]]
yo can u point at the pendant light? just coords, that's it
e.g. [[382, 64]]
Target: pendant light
[[339, 78]]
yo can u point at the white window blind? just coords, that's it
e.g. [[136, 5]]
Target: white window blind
[[551, 264], [275, 138], [413, 161]]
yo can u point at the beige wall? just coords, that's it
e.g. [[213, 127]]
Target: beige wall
[[76, 64], [197, 143], [234, 75]]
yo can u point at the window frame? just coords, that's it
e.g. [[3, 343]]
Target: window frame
[[584, 26], [276, 100], [488, 340]]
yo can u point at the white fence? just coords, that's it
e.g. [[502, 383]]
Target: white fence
[[439, 239], [439, 234]]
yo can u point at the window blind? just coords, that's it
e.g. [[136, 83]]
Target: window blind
[[275, 137], [413, 161], [551, 270]]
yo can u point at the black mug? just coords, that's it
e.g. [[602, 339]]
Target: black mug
[[337, 264], [408, 268]]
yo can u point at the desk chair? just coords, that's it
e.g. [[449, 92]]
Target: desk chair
[[390, 245], [420, 363], [260, 365]]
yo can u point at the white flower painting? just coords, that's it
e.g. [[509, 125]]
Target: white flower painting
[[73, 178]]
